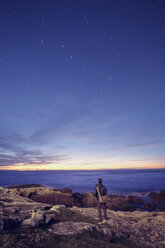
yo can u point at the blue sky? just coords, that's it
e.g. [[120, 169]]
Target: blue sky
[[82, 84]]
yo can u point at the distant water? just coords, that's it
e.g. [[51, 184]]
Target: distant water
[[116, 181]]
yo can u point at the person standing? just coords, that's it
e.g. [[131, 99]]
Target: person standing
[[101, 191]]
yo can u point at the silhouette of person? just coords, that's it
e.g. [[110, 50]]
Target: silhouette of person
[[100, 190]]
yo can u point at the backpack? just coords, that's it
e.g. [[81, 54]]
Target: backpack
[[102, 198]]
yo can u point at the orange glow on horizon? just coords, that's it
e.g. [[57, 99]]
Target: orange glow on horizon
[[96, 166]]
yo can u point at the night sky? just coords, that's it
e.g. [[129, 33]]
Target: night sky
[[82, 84]]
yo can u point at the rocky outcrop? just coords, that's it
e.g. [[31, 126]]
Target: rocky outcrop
[[138, 229], [154, 201], [142, 229], [41, 194], [14, 209], [65, 197]]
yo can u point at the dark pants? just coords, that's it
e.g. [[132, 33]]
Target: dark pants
[[103, 206]]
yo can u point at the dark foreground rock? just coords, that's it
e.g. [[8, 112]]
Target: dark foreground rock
[[25, 223]]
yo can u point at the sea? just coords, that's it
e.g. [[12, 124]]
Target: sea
[[119, 181]]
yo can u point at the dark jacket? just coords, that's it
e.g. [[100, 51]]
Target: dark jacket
[[102, 190]]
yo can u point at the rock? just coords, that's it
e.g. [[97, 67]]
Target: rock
[[89, 200], [55, 198], [157, 197], [37, 218], [57, 208], [150, 206], [50, 215], [77, 197], [71, 228], [29, 222], [46, 195], [120, 204], [10, 222], [114, 196], [15, 209], [27, 190], [139, 228], [109, 205], [64, 190], [12, 210], [135, 199]]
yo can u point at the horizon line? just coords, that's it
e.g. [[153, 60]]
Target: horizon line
[[137, 168]]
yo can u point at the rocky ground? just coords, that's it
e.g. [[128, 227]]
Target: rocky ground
[[144, 229], [32, 216]]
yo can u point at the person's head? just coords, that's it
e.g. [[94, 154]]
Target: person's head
[[100, 181]]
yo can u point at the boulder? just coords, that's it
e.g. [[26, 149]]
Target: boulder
[[37, 218], [77, 198], [109, 205], [57, 208], [120, 204], [54, 198], [89, 200]]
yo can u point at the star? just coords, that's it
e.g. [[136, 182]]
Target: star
[[62, 46], [71, 57]]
